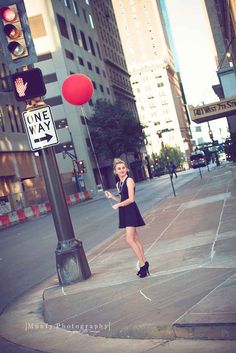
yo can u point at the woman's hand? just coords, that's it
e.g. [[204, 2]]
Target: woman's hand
[[115, 207], [108, 194]]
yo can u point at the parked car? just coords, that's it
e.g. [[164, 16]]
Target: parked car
[[198, 159]]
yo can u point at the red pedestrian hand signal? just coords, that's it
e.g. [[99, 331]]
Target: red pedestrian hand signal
[[20, 86]]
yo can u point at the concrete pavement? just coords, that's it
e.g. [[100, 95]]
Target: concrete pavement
[[190, 244]]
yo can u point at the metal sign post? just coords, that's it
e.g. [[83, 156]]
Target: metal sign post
[[71, 261]]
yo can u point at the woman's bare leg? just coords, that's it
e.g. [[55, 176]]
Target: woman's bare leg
[[137, 241], [130, 238]]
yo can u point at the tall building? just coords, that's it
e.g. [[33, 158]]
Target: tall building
[[66, 42], [222, 18], [70, 36], [155, 83], [119, 78], [20, 174], [112, 53]]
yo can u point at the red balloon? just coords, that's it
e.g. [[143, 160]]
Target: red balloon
[[77, 89]]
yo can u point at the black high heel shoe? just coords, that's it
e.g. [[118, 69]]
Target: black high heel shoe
[[143, 272], [144, 268]]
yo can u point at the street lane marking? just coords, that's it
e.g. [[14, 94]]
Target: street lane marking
[[203, 298], [144, 295], [218, 228]]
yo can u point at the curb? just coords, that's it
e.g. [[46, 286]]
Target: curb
[[206, 331], [24, 214]]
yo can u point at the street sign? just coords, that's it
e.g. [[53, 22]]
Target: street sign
[[216, 110], [40, 128]]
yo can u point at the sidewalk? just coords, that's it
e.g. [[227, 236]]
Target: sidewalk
[[190, 243]]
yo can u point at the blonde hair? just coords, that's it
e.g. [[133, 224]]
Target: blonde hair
[[117, 161]]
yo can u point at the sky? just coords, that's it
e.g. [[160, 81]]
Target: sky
[[196, 54]]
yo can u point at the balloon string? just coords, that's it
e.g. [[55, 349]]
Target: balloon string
[[95, 156]]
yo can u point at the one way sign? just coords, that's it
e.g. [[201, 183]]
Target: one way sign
[[40, 128]]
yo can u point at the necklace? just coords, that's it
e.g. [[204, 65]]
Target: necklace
[[121, 184]]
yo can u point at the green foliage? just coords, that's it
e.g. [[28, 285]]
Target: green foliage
[[114, 130], [170, 154]]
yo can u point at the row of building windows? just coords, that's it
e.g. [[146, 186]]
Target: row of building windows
[[14, 118], [72, 4], [82, 41], [123, 81], [70, 56]]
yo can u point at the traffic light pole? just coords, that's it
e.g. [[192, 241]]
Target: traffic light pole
[[18, 47], [71, 262]]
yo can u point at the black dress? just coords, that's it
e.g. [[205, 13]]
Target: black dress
[[129, 216]]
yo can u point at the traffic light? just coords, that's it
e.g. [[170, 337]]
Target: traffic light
[[81, 167], [211, 135], [24, 86], [15, 34], [159, 133]]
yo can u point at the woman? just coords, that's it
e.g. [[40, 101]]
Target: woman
[[129, 215]]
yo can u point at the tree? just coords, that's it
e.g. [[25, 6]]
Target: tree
[[170, 154], [114, 130]]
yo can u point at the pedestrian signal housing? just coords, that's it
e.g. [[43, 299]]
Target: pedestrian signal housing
[[28, 84]]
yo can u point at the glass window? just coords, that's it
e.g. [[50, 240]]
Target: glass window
[[74, 34], [101, 88], [91, 21], [43, 57], [84, 40], [54, 101], [97, 70], [67, 3], [85, 15], [91, 46], [16, 120], [75, 7], [69, 55], [62, 26], [20, 119], [10, 111], [50, 78], [81, 61], [99, 53], [94, 85], [90, 66], [2, 122]]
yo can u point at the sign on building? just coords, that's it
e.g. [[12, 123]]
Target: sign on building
[[220, 109], [40, 128]]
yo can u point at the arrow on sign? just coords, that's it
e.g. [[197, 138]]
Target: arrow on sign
[[46, 137]]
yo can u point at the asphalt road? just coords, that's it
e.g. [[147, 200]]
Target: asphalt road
[[27, 250]]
